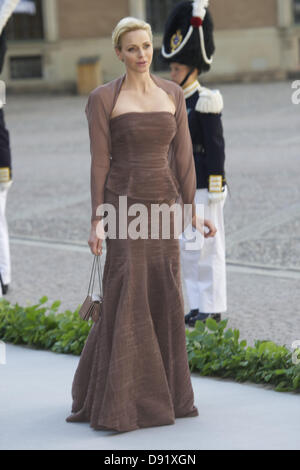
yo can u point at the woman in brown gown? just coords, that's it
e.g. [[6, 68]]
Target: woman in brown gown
[[133, 371]]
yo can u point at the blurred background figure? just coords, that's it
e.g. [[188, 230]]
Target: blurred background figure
[[188, 46], [7, 8]]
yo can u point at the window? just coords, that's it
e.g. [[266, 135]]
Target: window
[[25, 67], [22, 26], [297, 11], [157, 12]]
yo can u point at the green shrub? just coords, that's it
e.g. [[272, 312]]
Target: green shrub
[[215, 352], [42, 327]]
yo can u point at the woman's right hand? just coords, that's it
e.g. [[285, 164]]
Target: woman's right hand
[[95, 243]]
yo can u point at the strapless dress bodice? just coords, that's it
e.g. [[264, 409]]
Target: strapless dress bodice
[[139, 156]]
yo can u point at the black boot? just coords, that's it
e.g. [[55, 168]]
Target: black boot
[[201, 316], [3, 286], [216, 316], [192, 313]]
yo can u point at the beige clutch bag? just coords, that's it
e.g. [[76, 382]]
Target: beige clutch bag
[[92, 305]]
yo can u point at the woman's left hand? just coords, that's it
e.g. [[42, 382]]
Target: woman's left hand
[[200, 223]]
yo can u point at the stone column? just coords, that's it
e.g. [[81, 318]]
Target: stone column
[[51, 70], [285, 13], [288, 35], [50, 20], [137, 9]]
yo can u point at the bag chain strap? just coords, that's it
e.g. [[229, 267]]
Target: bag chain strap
[[96, 261]]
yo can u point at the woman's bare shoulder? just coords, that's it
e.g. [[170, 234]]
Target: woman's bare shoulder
[[167, 84], [171, 88]]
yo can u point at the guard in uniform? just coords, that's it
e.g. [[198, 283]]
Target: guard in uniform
[[188, 47], [7, 8]]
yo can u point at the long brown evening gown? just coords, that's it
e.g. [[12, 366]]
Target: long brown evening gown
[[133, 371]]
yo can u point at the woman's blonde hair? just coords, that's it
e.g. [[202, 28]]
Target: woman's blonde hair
[[126, 25]]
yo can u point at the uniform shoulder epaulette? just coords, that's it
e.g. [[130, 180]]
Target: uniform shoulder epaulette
[[209, 101]]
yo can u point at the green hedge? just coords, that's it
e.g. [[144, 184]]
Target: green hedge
[[42, 327], [212, 350]]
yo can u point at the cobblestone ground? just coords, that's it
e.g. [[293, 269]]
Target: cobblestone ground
[[48, 206]]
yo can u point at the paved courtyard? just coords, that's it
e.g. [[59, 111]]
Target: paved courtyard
[[48, 206]]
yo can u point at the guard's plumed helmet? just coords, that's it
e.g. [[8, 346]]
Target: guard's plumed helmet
[[188, 37]]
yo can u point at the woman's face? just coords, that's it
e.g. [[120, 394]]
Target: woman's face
[[136, 50], [178, 72]]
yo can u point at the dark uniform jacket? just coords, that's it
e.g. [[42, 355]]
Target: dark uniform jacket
[[5, 154], [205, 123]]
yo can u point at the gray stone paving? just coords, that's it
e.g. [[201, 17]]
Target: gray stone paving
[[50, 201], [231, 415]]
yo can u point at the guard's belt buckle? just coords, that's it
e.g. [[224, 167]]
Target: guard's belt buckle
[[215, 184], [4, 174]]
